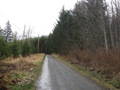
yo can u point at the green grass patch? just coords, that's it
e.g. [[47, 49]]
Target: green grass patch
[[29, 86]]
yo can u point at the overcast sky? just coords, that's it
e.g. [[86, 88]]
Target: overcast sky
[[41, 15]]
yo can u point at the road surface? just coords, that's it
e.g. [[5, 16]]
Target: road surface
[[57, 76]]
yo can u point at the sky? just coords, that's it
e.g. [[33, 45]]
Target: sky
[[40, 15]]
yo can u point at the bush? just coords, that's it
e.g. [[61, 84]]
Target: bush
[[26, 49], [15, 48], [4, 48]]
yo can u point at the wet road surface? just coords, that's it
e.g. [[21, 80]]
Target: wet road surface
[[57, 76]]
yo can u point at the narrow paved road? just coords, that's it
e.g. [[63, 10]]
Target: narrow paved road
[[58, 76]]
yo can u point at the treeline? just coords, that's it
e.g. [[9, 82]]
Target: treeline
[[12, 46], [89, 35], [92, 24]]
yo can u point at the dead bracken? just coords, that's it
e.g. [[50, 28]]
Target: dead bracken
[[17, 71]]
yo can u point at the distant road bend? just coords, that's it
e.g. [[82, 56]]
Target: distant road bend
[[57, 76]]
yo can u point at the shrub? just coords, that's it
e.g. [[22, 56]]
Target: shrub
[[4, 49]]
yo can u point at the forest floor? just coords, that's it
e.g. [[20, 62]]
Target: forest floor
[[20, 73]]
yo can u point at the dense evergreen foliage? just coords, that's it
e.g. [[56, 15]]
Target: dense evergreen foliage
[[90, 25], [11, 46], [4, 49]]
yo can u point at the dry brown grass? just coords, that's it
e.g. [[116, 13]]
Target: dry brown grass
[[107, 64], [18, 70]]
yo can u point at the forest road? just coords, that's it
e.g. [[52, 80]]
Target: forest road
[[57, 76]]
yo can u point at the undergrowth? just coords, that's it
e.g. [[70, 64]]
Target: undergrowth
[[20, 73]]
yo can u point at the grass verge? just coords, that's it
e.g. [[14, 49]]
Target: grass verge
[[97, 77], [20, 73]]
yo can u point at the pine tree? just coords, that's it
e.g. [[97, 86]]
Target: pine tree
[[15, 48], [1, 32], [4, 49], [8, 32], [26, 49]]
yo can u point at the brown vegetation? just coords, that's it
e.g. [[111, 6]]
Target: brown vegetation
[[107, 64], [18, 70]]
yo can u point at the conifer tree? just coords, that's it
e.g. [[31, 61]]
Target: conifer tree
[[8, 34]]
